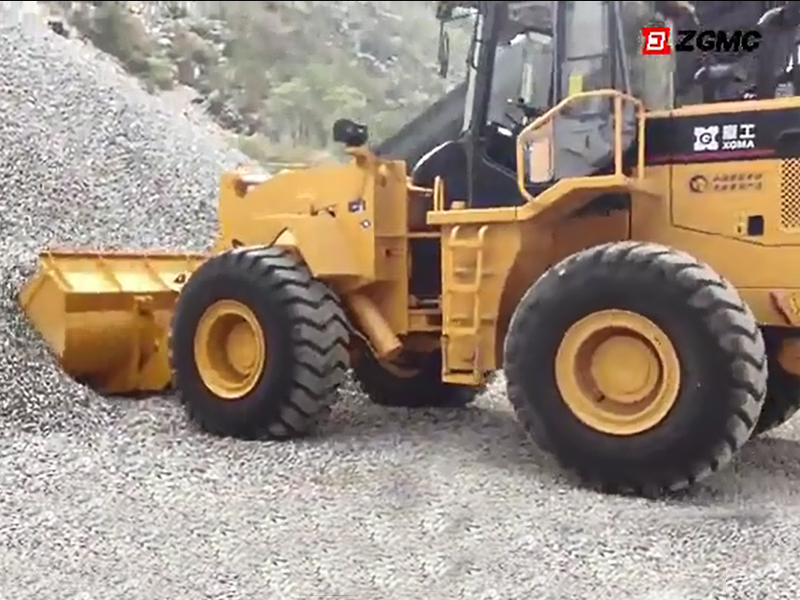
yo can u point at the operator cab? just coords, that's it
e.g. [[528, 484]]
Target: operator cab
[[525, 58], [779, 57], [772, 71]]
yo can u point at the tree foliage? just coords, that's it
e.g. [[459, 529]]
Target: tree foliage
[[279, 73]]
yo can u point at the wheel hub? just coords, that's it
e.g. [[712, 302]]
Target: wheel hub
[[632, 383], [230, 349], [618, 372], [242, 348]]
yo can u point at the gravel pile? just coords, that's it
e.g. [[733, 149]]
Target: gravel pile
[[87, 159], [120, 499]]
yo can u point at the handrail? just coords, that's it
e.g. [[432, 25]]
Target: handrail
[[618, 98], [287, 165]]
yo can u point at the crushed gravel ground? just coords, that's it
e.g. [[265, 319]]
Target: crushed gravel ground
[[108, 498]]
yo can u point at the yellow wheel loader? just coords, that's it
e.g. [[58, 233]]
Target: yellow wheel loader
[[622, 259]]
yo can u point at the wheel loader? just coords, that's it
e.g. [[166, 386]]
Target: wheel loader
[[628, 263]]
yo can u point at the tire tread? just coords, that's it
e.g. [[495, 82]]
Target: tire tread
[[320, 343], [726, 315]]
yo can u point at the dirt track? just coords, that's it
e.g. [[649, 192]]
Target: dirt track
[[119, 499]]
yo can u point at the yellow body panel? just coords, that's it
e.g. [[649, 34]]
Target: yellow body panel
[[348, 221], [761, 268]]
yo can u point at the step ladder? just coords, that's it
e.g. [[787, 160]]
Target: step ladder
[[461, 287]]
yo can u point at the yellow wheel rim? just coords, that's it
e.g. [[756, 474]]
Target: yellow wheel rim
[[230, 349], [618, 372]]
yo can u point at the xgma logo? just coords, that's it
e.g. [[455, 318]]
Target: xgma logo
[[657, 40]]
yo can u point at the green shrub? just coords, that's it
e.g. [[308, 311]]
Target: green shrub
[[283, 70]]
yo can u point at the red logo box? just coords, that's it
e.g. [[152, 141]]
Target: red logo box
[[656, 40]]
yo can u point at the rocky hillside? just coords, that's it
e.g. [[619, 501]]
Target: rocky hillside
[[276, 74]]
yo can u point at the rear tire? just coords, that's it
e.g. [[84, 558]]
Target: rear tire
[[719, 349], [783, 389], [304, 332], [422, 387]]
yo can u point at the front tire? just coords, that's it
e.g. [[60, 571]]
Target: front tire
[[698, 324], [258, 345]]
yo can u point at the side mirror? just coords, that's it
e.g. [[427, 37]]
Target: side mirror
[[350, 133], [444, 52]]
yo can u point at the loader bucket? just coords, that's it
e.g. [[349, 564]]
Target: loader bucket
[[106, 316]]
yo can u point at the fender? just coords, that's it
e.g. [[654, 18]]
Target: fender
[[323, 245]]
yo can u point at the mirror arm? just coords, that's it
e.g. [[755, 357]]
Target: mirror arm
[[444, 51]]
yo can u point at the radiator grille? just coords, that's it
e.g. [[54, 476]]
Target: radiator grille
[[790, 193]]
